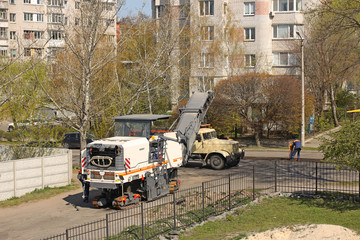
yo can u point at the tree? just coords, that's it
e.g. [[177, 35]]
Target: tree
[[331, 60], [342, 147], [259, 100], [82, 73]]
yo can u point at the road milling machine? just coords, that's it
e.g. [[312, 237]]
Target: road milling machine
[[139, 164]]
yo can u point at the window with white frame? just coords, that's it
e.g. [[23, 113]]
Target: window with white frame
[[3, 14], [206, 7], [3, 33], [250, 60], [207, 33], [284, 59], [12, 35], [287, 5], [27, 1], [205, 83], [56, 35], [12, 17], [249, 8], [33, 17], [32, 52], [285, 31], [13, 52], [29, 34], [249, 34], [12, 1], [57, 3], [3, 52], [159, 11], [57, 18], [206, 60]]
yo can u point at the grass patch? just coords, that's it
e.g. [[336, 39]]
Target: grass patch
[[39, 194], [278, 212]]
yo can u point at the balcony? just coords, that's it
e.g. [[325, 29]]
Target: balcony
[[4, 4]]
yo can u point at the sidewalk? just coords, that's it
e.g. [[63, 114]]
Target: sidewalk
[[283, 154]]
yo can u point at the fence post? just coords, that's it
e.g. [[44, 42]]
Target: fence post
[[229, 192], [107, 226], [359, 185], [142, 221], [275, 176], [316, 181], [253, 172], [67, 234], [174, 211], [203, 200]]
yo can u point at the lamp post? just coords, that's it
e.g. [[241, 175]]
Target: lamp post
[[302, 139]]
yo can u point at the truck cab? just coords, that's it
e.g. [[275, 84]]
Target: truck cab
[[215, 152]]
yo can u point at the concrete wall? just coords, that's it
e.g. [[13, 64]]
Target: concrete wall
[[18, 177]]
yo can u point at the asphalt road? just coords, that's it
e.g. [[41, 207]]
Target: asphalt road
[[52, 216]]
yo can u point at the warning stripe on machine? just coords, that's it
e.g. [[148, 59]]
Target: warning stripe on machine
[[127, 163], [83, 162]]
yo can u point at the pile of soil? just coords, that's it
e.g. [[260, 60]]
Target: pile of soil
[[307, 232]]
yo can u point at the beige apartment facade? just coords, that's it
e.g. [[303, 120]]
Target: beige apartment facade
[[36, 28], [241, 36]]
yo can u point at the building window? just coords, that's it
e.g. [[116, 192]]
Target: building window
[[27, 1], [32, 52], [206, 60], [12, 17], [249, 8], [286, 31], [12, 35], [249, 34], [13, 52], [205, 83], [3, 14], [3, 52], [287, 5], [56, 18], [77, 21], [56, 35], [250, 60], [3, 33], [58, 3], [206, 7], [28, 34], [207, 33], [12, 1], [33, 17], [77, 5], [284, 59], [159, 11]]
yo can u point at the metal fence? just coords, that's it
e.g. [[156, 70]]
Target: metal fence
[[194, 205]]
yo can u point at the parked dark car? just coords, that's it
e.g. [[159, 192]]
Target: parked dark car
[[72, 140]]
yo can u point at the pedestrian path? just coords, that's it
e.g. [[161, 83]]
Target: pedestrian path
[[316, 140]]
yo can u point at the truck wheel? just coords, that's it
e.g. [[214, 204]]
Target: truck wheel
[[217, 162]]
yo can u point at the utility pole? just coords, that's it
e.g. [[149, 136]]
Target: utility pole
[[302, 91]]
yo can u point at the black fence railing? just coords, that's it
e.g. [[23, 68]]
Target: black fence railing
[[194, 205]]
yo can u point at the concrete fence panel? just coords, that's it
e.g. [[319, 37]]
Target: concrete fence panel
[[18, 177]]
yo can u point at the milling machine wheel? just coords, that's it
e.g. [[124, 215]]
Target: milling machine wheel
[[123, 202]]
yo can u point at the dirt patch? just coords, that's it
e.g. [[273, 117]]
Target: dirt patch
[[307, 232]]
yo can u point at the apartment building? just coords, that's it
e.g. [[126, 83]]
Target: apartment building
[[241, 36], [31, 28]]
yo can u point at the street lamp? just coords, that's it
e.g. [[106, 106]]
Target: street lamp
[[302, 91]]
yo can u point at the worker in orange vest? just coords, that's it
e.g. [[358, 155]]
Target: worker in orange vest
[[295, 148]]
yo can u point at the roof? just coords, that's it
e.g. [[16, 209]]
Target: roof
[[142, 117]]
